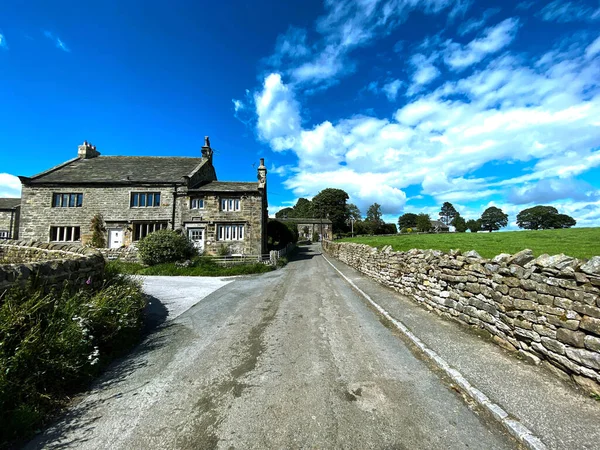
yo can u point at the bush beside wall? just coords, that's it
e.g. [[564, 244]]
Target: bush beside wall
[[546, 308]]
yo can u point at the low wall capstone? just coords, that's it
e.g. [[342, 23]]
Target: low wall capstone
[[546, 308], [50, 264]]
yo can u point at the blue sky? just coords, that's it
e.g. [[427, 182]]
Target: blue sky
[[407, 103]]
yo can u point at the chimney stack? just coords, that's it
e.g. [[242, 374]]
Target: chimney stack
[[207, 151], [262, 174], [87, 151]]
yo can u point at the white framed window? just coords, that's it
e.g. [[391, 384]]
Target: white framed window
[[65, 234], [3, 234], [230, 204], [197, 203], [230, 232]]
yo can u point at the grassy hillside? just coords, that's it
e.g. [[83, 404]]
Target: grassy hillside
[[576, 242]]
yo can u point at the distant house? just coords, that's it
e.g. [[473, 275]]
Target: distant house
[[137, 195], [439, 227], [307, 227], [9, 218]]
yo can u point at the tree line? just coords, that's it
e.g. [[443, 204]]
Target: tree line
[[333, 204], [492, 219]]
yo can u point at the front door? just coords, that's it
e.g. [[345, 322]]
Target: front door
[[196, 235], [115, 238]]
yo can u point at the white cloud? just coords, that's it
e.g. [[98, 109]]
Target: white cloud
[[346, 26], [237, 105], [538, 114], [10, 185], [424, 72], [593, 49], [549, 190], [475, 24], [3, 44], [459, 57], [278, 114], [57, 41], [566, 11], [391, 89]]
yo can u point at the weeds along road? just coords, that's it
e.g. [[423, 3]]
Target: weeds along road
[[290, 359]]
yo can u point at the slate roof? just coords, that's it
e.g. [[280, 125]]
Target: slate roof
[[119, 169], [227, 186], [9, 203]]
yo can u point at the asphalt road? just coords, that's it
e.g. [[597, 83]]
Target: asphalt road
[[290, 359]]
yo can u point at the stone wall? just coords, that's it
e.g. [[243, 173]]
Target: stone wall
[[546, 308], [50, 264], [127, 254]]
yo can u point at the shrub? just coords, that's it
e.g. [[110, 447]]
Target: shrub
[[52, 344], [165, 246], [98, 229]]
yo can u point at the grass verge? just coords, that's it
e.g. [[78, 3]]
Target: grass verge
[[53, 344], [198, 267], [575, 242]]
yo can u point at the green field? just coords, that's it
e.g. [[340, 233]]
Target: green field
[[576, 242]]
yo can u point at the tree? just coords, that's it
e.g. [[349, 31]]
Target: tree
[[563, 221], [447, 213], [331, 204], [459, 223], [353, 211], [303, 208], [542, 218], [473, 225], [423, 222], [284, 213], [388, 228], [373, 220], [493, 219], [408, 220]]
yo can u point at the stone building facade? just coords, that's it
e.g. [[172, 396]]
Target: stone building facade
[[307, 227], [138, 195], [10, 209]]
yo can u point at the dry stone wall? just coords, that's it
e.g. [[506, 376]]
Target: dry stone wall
[[546, 308], [51, 265]]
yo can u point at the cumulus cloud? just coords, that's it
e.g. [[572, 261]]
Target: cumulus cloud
[[549, 190], [537, 113], [278, 113], [10, 185]]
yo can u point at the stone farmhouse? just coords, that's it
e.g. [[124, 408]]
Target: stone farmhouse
[[308, 226], [137, 195], [9, 218]]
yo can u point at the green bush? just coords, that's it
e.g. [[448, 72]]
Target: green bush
[[165, 246], [52, 344]]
